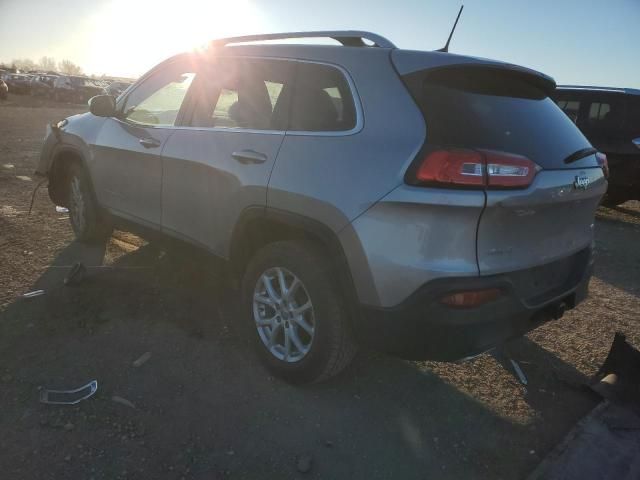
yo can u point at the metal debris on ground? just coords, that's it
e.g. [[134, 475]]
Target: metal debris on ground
[[76, 275], [503, 358], [142, 360], [123, 401], [519, 372], [60, 209], [618, 380], [68, 397], [33, 195], [35, 293]]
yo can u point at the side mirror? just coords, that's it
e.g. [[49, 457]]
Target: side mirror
[[103, 106]]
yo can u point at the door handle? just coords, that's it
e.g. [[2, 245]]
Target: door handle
[[249, 156], [149, 142]]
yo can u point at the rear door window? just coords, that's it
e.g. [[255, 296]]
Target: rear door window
[[323, 101], [571, 108], [495, 110], [244, 94], [606, 113]]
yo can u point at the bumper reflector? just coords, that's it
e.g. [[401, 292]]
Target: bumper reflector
[[471, 298]]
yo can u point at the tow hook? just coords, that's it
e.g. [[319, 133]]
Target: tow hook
[[559, 310]]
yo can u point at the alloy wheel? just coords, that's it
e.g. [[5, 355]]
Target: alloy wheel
[[283, 314]]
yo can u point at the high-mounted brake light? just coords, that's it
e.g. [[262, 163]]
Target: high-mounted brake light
[[475, 169], [604, 163]]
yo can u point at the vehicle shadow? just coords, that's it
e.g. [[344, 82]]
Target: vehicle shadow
[[616, 263], [205, 407]]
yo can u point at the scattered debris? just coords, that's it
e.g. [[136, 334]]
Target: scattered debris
[[35, 293], [503, 357], [303, 463], [33, 195], [231, 453], [519, 372], [68, 397], [123, 401], [8, 166], [76, 275], [142, 360], [60, 209], [618, 378], [24, 178]]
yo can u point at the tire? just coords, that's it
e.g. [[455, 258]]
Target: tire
[[323, 329], [89, 223]]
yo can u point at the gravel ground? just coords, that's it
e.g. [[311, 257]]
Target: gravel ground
[[203, 407]]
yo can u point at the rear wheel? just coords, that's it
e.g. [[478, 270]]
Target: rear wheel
[[298, 320], [88, 222]]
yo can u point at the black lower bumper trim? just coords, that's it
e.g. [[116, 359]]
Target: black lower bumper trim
[[422, 328]]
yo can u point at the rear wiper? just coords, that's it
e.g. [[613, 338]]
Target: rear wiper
[[584, 152]]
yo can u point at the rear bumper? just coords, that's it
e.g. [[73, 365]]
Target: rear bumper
[[423, 328]]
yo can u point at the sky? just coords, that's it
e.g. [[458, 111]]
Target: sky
[[588, 42]]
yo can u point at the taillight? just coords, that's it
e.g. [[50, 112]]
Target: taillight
[[475, 169], [604, 163], [452, 167]]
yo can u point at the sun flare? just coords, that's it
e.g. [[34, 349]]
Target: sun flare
[[128, 37]]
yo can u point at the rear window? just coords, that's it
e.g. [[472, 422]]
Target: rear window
[[495, 110]]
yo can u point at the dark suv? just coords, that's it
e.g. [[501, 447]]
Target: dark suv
[[610, 119]]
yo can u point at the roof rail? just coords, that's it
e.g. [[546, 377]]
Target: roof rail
[[348, 38]]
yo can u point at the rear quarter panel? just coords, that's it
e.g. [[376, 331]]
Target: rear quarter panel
[[334, 178]]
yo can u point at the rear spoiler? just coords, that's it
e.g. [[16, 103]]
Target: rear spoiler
[[409, 61]]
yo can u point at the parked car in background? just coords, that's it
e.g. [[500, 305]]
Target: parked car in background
[[4, 90], [457, 216], [76, 89], [19, 83], [117, 87], [42, 85], [610, 119]]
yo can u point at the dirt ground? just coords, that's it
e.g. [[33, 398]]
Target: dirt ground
[[202, 407]]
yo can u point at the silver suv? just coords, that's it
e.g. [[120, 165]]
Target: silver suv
[[430, 205]]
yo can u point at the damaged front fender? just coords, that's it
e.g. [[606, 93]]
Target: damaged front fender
[[51, 140]]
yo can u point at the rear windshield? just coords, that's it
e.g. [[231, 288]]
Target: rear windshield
[[495, 110]]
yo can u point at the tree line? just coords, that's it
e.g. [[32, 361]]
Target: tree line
[[46, 64]]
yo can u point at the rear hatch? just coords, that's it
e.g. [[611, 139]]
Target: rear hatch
[[503, 111]]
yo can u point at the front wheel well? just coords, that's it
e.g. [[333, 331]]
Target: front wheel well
[[59, 176]]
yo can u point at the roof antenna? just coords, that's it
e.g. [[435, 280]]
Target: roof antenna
[[446, 47]]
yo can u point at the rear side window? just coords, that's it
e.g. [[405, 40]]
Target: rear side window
[[494, 109], [571, 108], [322, 101], [606, 113], [633, 117]]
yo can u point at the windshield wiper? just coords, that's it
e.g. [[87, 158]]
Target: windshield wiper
[[583, 152]]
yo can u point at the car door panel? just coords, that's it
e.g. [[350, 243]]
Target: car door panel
[[221, 164], [128, 174], [126, 157], [205, 188]]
